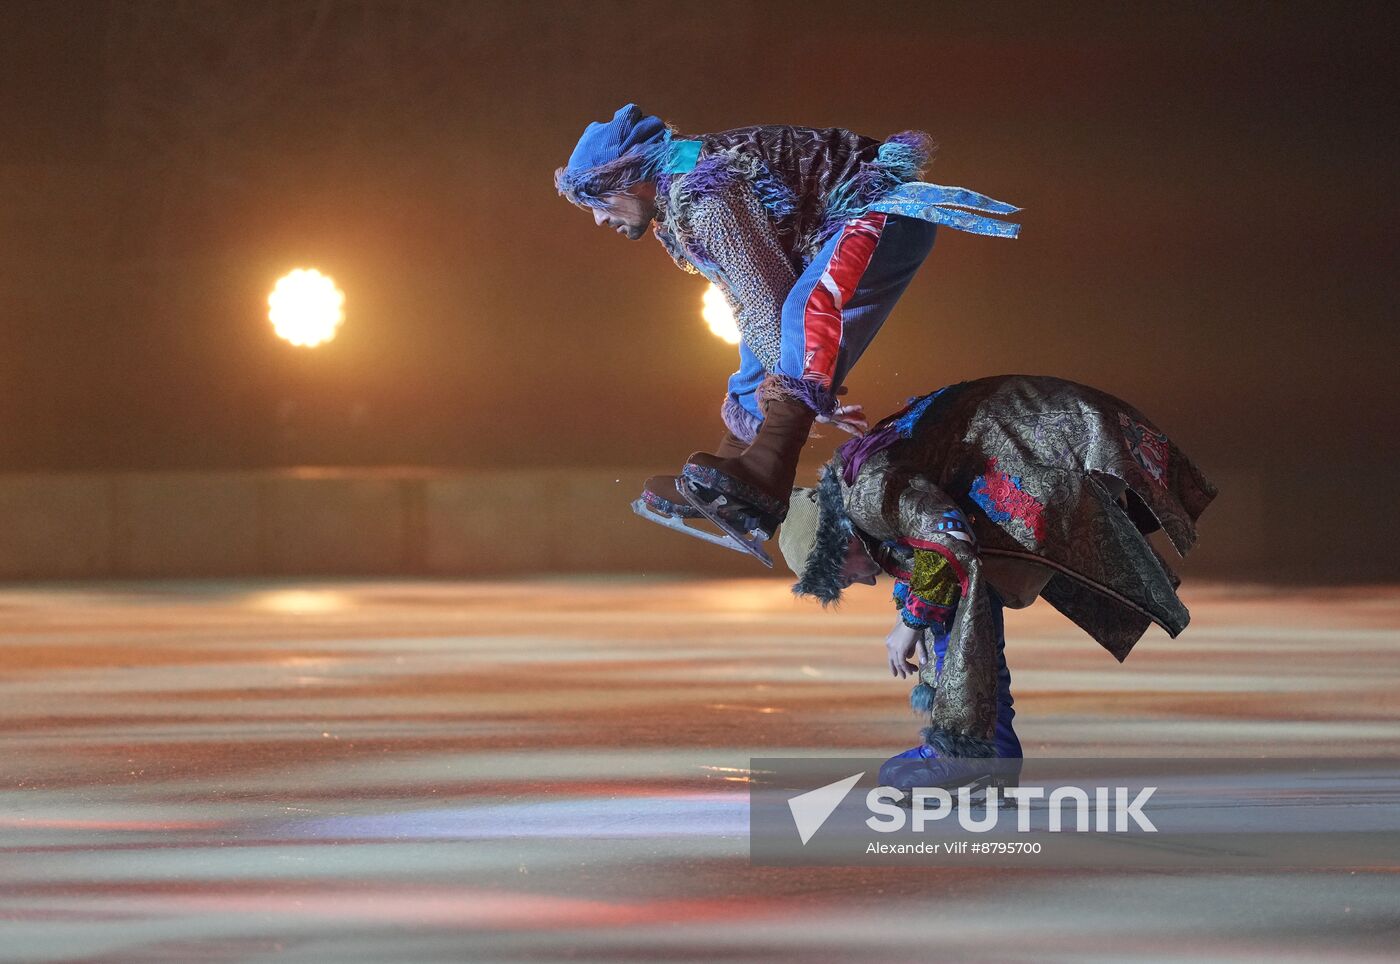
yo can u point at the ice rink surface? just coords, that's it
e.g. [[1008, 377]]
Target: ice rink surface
[[555, 770]]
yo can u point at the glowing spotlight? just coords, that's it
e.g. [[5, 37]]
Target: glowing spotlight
[[715, 310], [306, 308]]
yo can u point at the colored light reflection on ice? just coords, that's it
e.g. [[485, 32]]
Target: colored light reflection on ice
[[715, 310], [673, 814], [305, 308]]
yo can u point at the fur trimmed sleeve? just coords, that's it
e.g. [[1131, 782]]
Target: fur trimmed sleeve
[[935, 528]]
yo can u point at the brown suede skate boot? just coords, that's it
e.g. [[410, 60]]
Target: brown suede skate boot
[[659, 492], [758, 483]]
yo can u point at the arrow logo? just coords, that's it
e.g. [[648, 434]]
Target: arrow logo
[[811, 809]]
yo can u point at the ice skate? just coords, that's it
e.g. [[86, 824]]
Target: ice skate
[[674, 511], [660, 496], [937, 766], [746, 495], [742, 529], [923, 767], [663, 503]]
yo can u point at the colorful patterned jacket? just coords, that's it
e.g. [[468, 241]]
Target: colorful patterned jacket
[[1061, 478], [805, 180], [750, 208]]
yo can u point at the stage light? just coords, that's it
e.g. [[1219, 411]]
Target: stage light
[[715, 310], [306, 308]]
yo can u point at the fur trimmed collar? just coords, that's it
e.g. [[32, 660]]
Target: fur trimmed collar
[[821, 575]]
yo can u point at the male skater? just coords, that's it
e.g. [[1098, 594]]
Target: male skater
[[812, 235], [994, 493]]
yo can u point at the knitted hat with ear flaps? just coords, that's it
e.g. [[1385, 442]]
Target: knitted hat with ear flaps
[[799, 530], [815, 537]]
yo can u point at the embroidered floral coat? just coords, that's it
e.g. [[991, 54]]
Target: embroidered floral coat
[[1027, 468]]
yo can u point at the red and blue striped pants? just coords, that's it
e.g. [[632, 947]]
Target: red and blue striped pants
[[839, 302]]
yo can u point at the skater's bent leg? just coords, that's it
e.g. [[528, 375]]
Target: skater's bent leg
[[811, 333], [843, 297], [741, 412], [1007, 743], [905, 243], [923, 765], [812, 338]]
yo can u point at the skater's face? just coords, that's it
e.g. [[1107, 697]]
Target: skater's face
[[628, 212], [859, 567]]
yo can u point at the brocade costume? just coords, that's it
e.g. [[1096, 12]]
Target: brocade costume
[[975, 486]]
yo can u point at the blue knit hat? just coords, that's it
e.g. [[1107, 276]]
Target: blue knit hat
[[601, 142], [612, 155]]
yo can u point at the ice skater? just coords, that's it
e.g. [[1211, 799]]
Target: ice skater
[[990, 494], [812, 235]]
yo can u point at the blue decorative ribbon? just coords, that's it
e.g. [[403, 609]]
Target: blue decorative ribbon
[[941, 204]]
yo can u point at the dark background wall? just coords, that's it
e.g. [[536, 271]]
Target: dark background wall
[[1209, 232]]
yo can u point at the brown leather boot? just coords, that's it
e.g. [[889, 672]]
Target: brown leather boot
[[659, 491], [763, 475], [730, 446]]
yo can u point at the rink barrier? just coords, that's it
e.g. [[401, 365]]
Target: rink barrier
[[334, 522], [409, 521]]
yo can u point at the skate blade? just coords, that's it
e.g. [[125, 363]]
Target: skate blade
[[977, 788], [677, 524], [742, 541]]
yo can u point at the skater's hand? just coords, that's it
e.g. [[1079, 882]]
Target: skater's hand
[[848, 418], [905, 645]]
